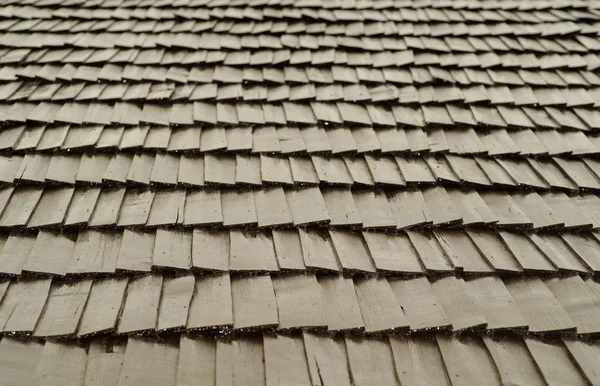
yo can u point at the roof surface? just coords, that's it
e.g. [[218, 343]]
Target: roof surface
[[279, 192]]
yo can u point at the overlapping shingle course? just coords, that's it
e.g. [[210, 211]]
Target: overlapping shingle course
[[299, 192]]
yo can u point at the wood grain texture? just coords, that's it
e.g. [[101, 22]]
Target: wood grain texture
[[378, 305], [418, 361], [197, 361], [203, 207], [210, 249], [240, 362], [430, 252], [327, 360], [238, 208], [553, 360], [288, 249], [23, 304], [496, 303], [513, 361], [251, 251], [371, 361], [285, 360], [63, 309], [317, 250], [136, 251], [392, 252], [20, 206], [148, 362], [96, 252], [82, 206], [459, 303], [52, 207], [538, 305], [247, 170], [578, 300], [172, 249], [175, 302], [140, 311], [419, 303], [211, 304], [585, 354], [271, 207], [341, 207], [467, 361], [103, 306], [351, 251], [307, 206], [299, 301], [342, 311], [19, 360], [167, 208], [135, 207], [104, 362], [15, 253], [254, 303], [107, 207], [51, 253], [61, 364]]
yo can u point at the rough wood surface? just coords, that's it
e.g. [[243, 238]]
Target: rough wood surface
[[175, 301], [19, 360], [467, 361], [378, 305], [103, 306], [211, 305], [197, 362], [172, 249], [254, 303], [371, 362], [149, 363], [104, 363], [285, 361], [299, 301], [210, 249], [327, 360], [240, 362], [61, 364], [63, 309], [140, 311], [419, 303], [538, 305], [418, 361], [512, 359]]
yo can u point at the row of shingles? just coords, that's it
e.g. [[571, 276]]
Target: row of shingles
[[435, 99], [329, 11], [187, 48], [277, 21], [148, 168], [505, 66], [366, 114], [157, 303], [416, 68], [439, 251], [566, 37], [137, 47], [43, 206], [292, 139], [413, 10], [20, 44], [435, 34], [254, 20], [496, 93], [308, 358]]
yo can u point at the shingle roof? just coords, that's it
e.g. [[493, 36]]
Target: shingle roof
[[280, 192]]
